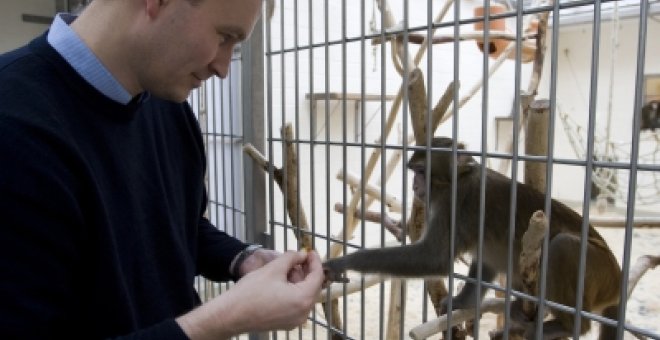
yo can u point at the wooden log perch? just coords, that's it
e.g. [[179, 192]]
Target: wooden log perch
[[530, 257]]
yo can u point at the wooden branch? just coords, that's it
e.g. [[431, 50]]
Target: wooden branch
[[396, 55], [620, 222], [391, 225], [263, 162], [398, 292], [295, 211], [441, 109], [643, 264], [539, 56], [416, 38], [425, 330], [352, 180], [418, 106]]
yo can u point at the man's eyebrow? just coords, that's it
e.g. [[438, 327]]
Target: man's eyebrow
[[235, 31]]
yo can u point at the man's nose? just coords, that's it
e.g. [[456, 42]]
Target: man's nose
[[220, 65]]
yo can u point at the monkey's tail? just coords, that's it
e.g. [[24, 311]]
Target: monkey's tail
[[608, 332]]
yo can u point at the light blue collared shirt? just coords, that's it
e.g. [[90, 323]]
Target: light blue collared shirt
[[68, 44]]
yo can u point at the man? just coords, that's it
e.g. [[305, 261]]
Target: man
[[101, 183]]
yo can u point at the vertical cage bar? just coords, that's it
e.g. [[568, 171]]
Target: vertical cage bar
[[362, 156], [549, 167], [483, 159], [454, 158], [514, 168], [344, 163], [634, 158], [593, 97], [252, 95], [383, 156]]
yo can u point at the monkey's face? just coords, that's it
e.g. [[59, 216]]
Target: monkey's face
[[419, 178], [441, 165]]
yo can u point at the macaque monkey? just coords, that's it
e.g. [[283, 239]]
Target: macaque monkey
[[430, 255], [651, 116]]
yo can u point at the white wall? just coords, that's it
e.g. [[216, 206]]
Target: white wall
[[615, 80], [14, 32]]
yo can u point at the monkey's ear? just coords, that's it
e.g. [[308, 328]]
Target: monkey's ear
[[465, 164]]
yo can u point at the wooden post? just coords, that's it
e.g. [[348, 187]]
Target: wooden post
[[536, 143], [396, 307]]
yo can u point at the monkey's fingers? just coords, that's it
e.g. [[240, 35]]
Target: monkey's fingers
[[334, 276]]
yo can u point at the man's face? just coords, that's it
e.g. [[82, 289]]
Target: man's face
[[190, 43]]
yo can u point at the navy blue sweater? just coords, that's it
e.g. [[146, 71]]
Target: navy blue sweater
[[101, 207]]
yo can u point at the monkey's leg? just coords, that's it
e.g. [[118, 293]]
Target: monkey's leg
[[563, 267], [601, 280], [609, 332], [468, 297]]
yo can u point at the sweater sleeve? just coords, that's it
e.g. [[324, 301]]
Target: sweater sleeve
[[216, 251]]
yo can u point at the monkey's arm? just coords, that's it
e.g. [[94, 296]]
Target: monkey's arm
[[404, 261]]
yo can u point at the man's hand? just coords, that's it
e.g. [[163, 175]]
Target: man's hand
[[278, 295], [263, 256]]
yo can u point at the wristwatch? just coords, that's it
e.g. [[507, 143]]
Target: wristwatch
[[240, 258]]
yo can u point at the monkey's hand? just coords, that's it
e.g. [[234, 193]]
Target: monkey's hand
[[334, 271]]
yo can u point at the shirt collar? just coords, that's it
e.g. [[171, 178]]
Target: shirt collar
[[69, 45]]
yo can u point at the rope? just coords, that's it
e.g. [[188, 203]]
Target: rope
[[614, 182]]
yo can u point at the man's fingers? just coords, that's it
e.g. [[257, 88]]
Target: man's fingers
[[313, 270], [287, 261]]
